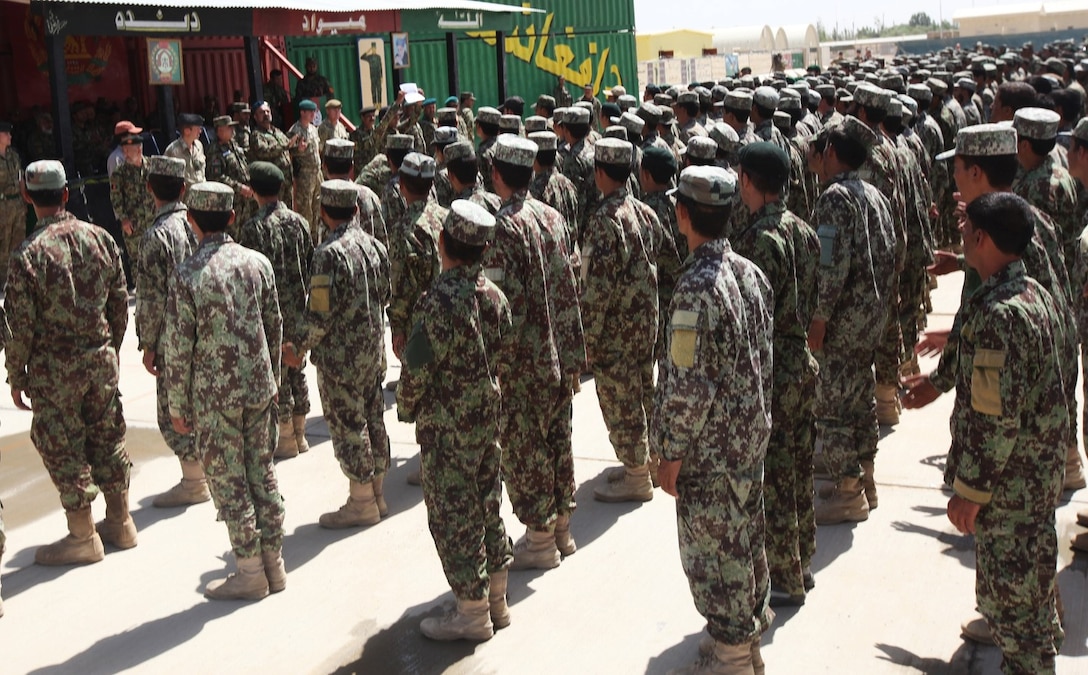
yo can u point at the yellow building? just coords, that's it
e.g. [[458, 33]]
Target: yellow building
[[683, 44]]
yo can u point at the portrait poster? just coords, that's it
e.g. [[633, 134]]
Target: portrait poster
[[372, 82], [164, 61], [401, 58]]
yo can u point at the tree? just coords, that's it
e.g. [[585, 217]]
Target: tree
[[920, 19]]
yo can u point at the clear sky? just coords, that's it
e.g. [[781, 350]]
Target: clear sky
[[658, 15]]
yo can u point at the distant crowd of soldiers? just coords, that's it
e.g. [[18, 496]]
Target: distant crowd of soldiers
[[512, 254]]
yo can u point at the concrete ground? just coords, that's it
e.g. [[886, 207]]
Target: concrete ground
[[890, 593]]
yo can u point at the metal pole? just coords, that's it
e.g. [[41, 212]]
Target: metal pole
[[58, 87], [253, 67], [500, 63], [452, 65], [169, 121]]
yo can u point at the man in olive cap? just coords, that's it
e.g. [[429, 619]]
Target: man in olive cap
[[12, 208], [222, 369], [227, 164], [332, 126], [268, 144]]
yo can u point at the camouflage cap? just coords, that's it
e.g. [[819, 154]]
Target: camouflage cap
[[766, 97], [447, 117], [894, 107], [725, 136], [703, 147], [616, 131], [445, 135], [894, 82], [48, 174], [632, 123], [339, 193], [612, 151], [920, 93], [469, 223], [210, 196], [782, 120], [224, 121], [265, 172], [937, 86], [983, 140], [738, 100], [966, 84], [910, 106], [489, 115], [510, 124], [786, 103], [535, 123], [858, 131], [459, 150], [826, 90], [872, 97], [1036, 123], [418, 165], [559, 115], [546, 101], [161, 165], [399, 142], [339, 148], [626, 102], [687, 97], [667, 115], [709, 185], [545, 140], [649, 113], [515, 150], [663, 99], [1081, 130], [576, 115]]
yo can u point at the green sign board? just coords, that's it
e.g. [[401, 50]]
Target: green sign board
[[430, 21]]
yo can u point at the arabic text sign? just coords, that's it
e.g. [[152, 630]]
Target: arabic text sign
[[292, 22], [432, 21], [164, 61], [92, 19]]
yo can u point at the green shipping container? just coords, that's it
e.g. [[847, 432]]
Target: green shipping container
[[338, 60], [567, 16]]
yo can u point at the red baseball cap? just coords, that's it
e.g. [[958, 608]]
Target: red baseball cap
[[125, 127]]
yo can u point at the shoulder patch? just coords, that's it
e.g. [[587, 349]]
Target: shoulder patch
[[495, 274], [319, 293], [683, 338], [986, 381], [827, 234]]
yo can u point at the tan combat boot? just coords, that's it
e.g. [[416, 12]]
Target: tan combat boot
[[80, 547], [118, 529], [360, 509], [248, 583], [1082, 517], [536, 550], [193, 488], [274, 571], [634, 487], [1079, 542], [470, 621], [868, 483], [1074, 470], [379, 494], [978, 630], [758, 666], [563, 539], [721, 659], [287, 446], [846, 503], [496, 599], [887, 404], [299, 424]]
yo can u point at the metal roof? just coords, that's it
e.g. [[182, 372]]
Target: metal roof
[[313, 5]]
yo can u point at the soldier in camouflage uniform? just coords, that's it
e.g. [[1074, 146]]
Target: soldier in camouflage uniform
[[941, 113], [577, 166], [487, 129], [363, 137], [188, 148], [463, 172], [550, 186], [1006, 464], [227, 164], [450, 389], [165, 245], [269, 144], [397, 147], [12, 208], [855, 289], [62, 353], [133, 203], [331, 126], [764, 103], [464, 111], [427, 125], [787, 251], [711, 424], [240, 113], [305, 145], [529, 261], [444, 136], [222, 354], [619, 312], [283, 237], [337, 165], [344, 327]]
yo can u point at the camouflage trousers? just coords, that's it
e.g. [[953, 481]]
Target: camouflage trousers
[[294, 396], [889, 353], [308, 201], [721, 549], [12, 232], [463, 492], [236, 447], [132, 247], [354, 413], [79, 431], [182, 446], [845, 409], [787, 482], [1015, 590], [537, 460], [912, 296], [625, 392]]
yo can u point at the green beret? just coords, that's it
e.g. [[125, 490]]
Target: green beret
[[307, 104], [765, 159], [265, 172], [656, 156]]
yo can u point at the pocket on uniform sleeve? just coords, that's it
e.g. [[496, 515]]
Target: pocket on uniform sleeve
[[684, 338], [986, 381], [320, 285], [828, 234]]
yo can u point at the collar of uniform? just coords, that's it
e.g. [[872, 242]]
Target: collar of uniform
[[1010, 272], [518, 197], [844, 176], [768, 210], [619, 195], [468, 273], [215, 239], [56, 218], [170, 208], [715, 248]]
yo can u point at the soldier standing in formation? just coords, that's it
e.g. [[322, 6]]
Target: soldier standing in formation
[[222, 366], [269, 144], [331, 126], [304, 143], [227, 164], [133, 203], [337, 165]]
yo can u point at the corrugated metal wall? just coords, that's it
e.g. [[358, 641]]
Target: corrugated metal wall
[[213, 66], [582, 16], [338, 60]]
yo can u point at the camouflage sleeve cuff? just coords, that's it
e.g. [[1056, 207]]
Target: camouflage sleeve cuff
[[19, 380], [942, 381], [971, 494]]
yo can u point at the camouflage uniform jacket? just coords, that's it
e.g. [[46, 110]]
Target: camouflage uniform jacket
[[366, 147], [882, 170], [946, 119], [481, 197], [468, 118], [375, 174], [393, 204], [165, 245], [130, 196], [578, 168], [767, 131], [1051, 189], [327, 130], [66, 304], [856, 281], [283, 236], [713, 398], [666, 257], [483, 156], [242, 135], [1009, 389], [227, 164], [223, 330], [271, 146], [529, 262], [619, 283], [450, 379], [349, 288], [411, 128], [443, 189], [427, 127], [11, 172], [919, 251], [195, 161], [370, 215], [413, 260], [554, 189], [309, 160], [787, 251], [690, 130]]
